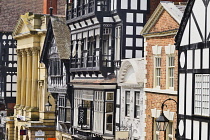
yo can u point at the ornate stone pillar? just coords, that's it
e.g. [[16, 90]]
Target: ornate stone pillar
[[29, 78], [19, 72], [23, 77], [34, 88]]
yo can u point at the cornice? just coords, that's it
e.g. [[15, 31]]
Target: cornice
[[160, 34]]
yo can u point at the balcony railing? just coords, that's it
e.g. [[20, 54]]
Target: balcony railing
[[56, 80], [85, 62], [81, 10]]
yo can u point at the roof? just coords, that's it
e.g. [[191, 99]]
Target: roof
[[26, 25], [184, 21], [175, 9], [57, 26], [62, 36]]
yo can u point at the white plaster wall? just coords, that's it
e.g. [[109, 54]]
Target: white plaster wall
[[135, 126]]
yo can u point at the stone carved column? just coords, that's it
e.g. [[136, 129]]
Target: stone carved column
[[34, 88], [23, 77], [29, 78], [19, 72]]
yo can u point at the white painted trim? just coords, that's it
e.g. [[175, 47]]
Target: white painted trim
[[161, 91], [95, 86]]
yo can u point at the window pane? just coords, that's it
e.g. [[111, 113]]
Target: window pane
[[201, 94]]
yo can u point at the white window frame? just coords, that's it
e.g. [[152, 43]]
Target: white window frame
[[137, 104], [77, 103], [111, 101], [127, 103], [157, 69], [61, 108], [170, 72], [202, 97], [98, 111], [117, 42]]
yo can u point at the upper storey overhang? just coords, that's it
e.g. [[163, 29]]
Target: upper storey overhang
[[78, 11]]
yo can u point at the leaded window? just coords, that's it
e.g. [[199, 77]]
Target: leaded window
[[201, 99], [64, 109]]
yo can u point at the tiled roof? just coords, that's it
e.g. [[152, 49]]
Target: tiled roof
[[62, 36]]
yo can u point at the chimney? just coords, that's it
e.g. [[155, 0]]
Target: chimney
[[49, 3]]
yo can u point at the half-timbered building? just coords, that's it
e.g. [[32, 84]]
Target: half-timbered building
[[8, 72], [192, 42], [55, 56], [102, 33]]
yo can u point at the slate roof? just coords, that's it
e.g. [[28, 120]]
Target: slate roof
[[62, 36], [175, 9]]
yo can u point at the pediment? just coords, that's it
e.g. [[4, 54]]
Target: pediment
[[164, 23], [166, 17], [23, 25]]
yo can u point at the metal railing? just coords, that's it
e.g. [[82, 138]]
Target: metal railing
[[81, 10]]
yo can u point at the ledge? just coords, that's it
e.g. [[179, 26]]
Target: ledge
[[161, 91]]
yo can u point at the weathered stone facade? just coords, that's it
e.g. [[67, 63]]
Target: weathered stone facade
[[30, 113]]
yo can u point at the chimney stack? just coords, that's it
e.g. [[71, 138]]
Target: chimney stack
[[47, 4]]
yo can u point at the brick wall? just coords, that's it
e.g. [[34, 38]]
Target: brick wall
[[154, 3], [155, 101], [10, 11], [160, 41], [165, 22]]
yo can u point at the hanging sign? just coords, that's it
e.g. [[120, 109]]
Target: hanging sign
[[22, 132], [82, 116], [39, 133]]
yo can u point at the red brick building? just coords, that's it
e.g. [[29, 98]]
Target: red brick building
[[161, 67], [10, 10]]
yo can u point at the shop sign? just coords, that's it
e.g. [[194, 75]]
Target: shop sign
[[22, 132], [82, 116], [39, 133]]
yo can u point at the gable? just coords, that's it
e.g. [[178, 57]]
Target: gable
[[23, 25], [165, 19], [164, 23], [196, 26]]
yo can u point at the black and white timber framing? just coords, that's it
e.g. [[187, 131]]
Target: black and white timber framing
[[55, 56], [8, 71], [103, 32], [192, 42]]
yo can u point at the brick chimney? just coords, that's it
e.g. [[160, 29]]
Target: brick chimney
[[49, 3]]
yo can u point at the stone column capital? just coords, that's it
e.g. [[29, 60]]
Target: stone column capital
[[29, 52], [35, 50], [23, 52], [19, 53]]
